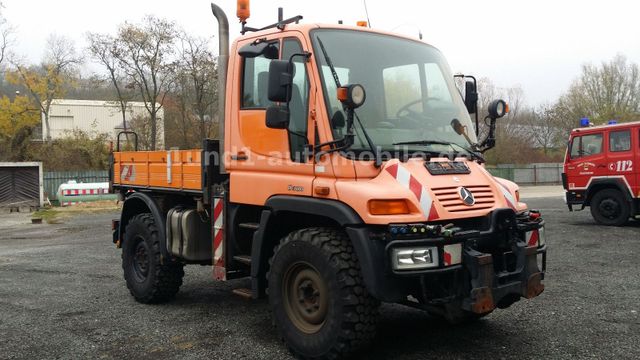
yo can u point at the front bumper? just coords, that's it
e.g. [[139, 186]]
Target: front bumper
[[493, 268], [575, 197]]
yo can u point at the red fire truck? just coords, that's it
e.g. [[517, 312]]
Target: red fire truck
[[601, 171]]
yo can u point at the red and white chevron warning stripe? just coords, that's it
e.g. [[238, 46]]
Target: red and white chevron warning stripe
[[452, 254], [535, 237], [511, 201], [219, 270], [404, 177]]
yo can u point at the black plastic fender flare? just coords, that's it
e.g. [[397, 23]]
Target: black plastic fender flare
[[335, 210], [137, 203]]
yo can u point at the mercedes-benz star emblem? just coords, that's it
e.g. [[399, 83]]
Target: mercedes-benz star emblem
[[466, 196]]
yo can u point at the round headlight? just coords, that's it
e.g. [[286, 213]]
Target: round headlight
[[352, 96], [357, 95], [498, 109]]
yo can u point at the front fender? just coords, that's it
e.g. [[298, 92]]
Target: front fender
[[138, 203]]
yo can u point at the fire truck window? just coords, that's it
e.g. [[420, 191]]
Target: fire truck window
[[586, 145], [620, 141], [254, 82], [299, 104]]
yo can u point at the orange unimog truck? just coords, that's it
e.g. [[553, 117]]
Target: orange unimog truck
[[346, 177]]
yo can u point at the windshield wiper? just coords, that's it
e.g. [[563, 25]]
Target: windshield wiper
[[474, 155], [422, 142]]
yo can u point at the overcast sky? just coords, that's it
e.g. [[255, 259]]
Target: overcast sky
[[537, 44]]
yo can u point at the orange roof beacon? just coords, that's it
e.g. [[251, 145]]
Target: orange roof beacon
[[350, 173], [601, 171]]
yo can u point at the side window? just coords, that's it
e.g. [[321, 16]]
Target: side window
[[586, 145], [254, 83], [591, 145], [299, 105], [401, 87], [620, 141]]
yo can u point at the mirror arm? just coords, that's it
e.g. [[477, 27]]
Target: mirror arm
[[490, 141]]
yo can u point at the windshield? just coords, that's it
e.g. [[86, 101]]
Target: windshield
[[410, 91]]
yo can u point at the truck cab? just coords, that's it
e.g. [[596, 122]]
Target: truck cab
[[601, 171], [349, 174]]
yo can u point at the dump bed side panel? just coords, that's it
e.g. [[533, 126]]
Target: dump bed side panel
[[175, 169]]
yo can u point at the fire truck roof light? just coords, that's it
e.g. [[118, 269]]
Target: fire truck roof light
[[612, 122], [584, 122]]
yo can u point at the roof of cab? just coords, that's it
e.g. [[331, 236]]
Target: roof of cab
[[605, 127], [306, 28]]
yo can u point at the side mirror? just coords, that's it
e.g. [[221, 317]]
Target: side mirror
[[269, 50], [277, 117], [471, 96], [458, 127], [280, 79], [498, 109]]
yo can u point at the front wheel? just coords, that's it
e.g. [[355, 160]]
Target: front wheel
[[148, 279], [609, 207], [319, 303]]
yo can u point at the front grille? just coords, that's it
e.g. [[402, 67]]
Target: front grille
[[449, 198]]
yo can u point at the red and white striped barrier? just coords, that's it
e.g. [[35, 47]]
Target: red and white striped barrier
[[219, 270]]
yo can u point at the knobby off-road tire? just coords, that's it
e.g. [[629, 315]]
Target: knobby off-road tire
[[609, 207], [148, 280], [318, 300]]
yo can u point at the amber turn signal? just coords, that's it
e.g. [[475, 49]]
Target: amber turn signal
[[388, 207], [362, 23]]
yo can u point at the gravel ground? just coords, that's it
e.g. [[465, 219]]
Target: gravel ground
[[62, 296]]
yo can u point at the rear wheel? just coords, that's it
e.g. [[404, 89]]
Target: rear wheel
[[319, 303], [148, 280], [609, 207]]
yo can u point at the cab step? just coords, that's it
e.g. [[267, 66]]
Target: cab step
[[249, 226], [245, 259], [242, 292]]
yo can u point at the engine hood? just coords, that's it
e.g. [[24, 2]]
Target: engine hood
[[442, 195]]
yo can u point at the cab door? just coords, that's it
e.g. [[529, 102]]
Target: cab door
[[621, 157], [586, 160], [263, 162]]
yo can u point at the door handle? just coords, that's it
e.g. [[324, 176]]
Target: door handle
[[241, 156]]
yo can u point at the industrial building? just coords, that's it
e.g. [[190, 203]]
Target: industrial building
[[94, 117]]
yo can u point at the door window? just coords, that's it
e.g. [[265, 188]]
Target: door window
[[254, 82], [620, 141], [586, 145]]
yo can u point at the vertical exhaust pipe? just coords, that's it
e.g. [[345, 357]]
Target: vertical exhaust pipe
[[223, 61]]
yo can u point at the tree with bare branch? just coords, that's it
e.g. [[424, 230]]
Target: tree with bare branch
[[601, 93], [146, 56], [6, 31], [106, 51], [197, 67], [48, 80]]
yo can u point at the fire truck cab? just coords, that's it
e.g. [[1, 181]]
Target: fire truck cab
[[601, 171]]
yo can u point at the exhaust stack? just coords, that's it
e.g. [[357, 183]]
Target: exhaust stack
[[223, 60]]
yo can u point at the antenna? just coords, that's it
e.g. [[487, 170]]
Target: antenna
[[366, 12]]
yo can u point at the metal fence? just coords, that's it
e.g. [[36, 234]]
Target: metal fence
[[532, 174], [53, 179]]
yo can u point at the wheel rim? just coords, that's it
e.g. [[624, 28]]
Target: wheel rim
[[609, 208], [140, 259], [305, 297]]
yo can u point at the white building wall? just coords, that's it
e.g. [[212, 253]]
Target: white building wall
[[93, 117]]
